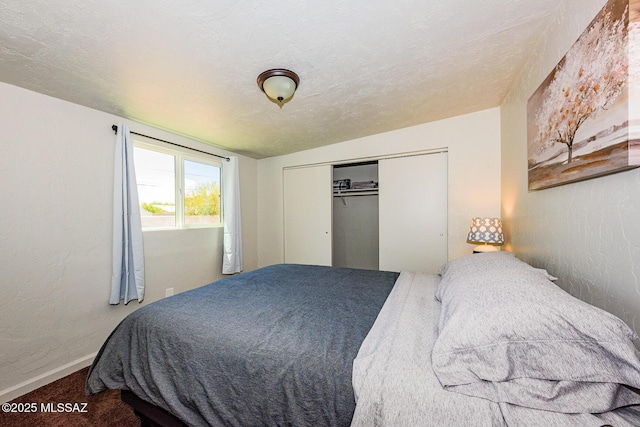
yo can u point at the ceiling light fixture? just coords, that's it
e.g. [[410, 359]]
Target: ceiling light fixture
[[278, 84]]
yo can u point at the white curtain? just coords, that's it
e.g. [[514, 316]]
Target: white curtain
[[232, 242], [127, 279]]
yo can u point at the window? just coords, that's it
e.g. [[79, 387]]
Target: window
[[176, 189]]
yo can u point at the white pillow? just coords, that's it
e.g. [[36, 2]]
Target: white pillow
[[506, 333]]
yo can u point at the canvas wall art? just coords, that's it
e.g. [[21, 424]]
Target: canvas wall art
[[584, 119]]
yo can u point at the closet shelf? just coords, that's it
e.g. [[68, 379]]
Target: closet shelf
[[355, 192]]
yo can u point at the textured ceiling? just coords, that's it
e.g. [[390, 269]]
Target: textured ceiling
[[190, 67]]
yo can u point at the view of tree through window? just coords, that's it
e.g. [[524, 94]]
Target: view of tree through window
[[176, 190], [202, 193]]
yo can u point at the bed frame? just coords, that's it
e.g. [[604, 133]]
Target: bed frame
[[150, 415]]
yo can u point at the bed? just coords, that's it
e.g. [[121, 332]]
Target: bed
[[491, 341]]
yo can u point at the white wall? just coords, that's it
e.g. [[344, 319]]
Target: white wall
[[586, 233], [473, 142], [56, 195]]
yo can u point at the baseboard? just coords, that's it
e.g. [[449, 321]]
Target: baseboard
[[46, 378]]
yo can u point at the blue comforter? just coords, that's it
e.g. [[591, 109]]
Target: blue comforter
[[271, 347]]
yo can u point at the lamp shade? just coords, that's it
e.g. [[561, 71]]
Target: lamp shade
[[486, 230], [278, 84]]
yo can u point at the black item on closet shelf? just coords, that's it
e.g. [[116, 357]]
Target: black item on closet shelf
[[342, 184]]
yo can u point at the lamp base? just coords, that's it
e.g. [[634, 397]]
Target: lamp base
[[485, 248]]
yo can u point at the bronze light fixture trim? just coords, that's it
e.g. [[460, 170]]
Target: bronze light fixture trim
[[278, 84]]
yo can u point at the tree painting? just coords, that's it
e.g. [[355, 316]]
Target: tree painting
[[589, 84], [634, 48], [589, 79]]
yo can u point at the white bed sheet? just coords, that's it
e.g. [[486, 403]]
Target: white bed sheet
[[394, 383]]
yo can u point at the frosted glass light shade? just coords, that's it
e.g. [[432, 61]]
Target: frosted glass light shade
[[278, 84], [279, 88]]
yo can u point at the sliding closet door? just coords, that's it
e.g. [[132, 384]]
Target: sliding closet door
[[413, 213], [307, 215]]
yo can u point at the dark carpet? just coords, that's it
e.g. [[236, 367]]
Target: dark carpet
[[62, 404]]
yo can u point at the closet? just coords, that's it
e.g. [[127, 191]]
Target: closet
[[400, 224], [355, 215]]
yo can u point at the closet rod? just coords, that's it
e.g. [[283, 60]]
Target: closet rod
[[371, 193], [115, 129]]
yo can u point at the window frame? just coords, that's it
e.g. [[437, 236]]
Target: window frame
[[180, 155]]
